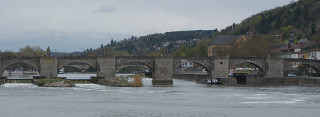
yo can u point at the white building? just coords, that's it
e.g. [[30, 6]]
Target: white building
[[187, 65]]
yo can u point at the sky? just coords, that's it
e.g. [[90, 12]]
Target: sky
[[75, 25]]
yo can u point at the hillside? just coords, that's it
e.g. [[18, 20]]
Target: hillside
[[153, 44], [299, 18]]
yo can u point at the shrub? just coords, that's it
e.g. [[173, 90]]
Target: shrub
[[137, 81]]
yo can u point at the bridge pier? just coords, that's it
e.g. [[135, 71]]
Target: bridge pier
[[275, 68], [106, 67], [163, 72], [221, 68], [48, 67]]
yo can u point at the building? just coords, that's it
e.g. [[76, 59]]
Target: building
[[187, 65], [303, 49], [165, 44], [222, 43]]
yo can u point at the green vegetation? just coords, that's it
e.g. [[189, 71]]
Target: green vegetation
[[258, 45], [201, 49], [27, 51], [152, 45], [8, 54], [298, 18], [31, 51]]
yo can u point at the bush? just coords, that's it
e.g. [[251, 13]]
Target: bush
[[137, 81]]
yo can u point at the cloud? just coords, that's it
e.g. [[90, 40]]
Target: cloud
[[106, 9]]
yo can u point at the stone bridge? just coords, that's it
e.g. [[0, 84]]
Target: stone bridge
[[162, 67]]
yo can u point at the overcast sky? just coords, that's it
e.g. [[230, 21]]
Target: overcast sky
[[75, 25]]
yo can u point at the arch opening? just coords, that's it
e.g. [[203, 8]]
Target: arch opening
[[134, 67], [190, 67], [247, 69], [192, 71], [128, 70], [20, 70], [77, 70]]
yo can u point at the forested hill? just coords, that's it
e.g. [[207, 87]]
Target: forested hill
[[300, 18], [153, 44]]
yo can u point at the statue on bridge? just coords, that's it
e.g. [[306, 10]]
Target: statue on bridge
[[48, 51]]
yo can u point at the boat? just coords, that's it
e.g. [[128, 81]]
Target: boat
[[214, 81]]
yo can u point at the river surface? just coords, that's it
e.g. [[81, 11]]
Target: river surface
[[184, 99]]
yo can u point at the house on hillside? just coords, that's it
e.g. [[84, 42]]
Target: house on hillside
[[222, 43], [303, 49], [181, 41], [165, 44], [311, 50]]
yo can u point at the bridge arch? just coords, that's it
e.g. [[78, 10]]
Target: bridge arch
[[66, 62], [261, 70], [9, 64], [133, 63], [208, 69]]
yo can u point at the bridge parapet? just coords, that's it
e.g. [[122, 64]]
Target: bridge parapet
[[135, 57], [193, 58], [19, 58], [135, 60], [249, 58], [300, 60], [78, 57]]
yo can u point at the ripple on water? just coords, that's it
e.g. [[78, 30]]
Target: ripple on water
[[18, 85], [89, 87]]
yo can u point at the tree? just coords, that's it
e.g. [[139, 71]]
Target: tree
[[31, 51], [7, 54], [313, 28], [257, 45], [112, 42]]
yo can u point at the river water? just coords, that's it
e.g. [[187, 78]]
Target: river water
[[184, 99]]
